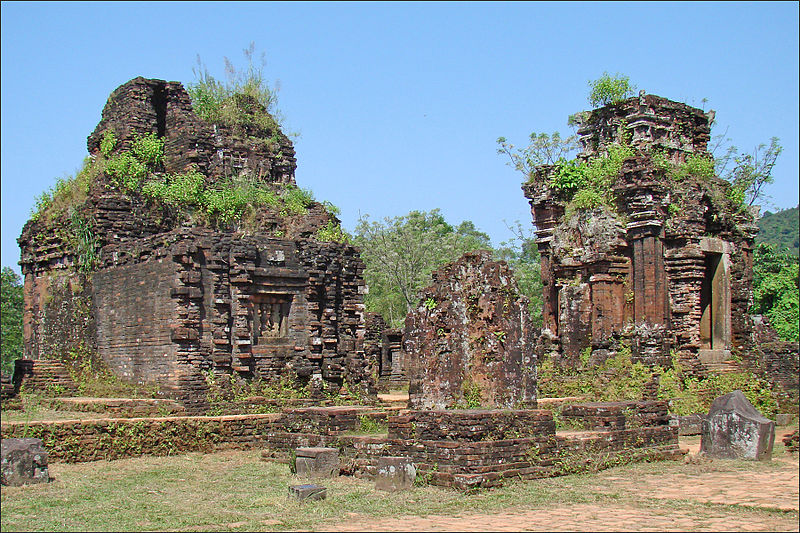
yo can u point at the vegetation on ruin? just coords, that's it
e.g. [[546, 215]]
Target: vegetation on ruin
[[332, 232], [589, 185], [11, 315], [471, 395], [608, 89], [230, 202], [218, 205], [368, 425], [543, 149], [696, 165], [227, 393], [244, 101], [775, 290], [620, 378], [95, 379], [747, 173]]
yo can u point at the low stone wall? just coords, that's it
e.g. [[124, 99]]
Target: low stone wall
[[327, 420], [466, 465], [616, 415], [116, 438], [471, 448], [471, 424]]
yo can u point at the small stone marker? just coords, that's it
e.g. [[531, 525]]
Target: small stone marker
[[308, 492], [24, 461], [395, 473], [317, 462], [734, 429]]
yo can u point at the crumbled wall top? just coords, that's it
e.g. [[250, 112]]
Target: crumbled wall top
[[652, 121], [144, 105], [642, 191]]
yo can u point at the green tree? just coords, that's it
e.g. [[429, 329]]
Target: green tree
[[753, 171], [780, 229], [776, 291], [11, 319], [543, 149], [609, 89], [522, 254], [401, 252], [747, 173]]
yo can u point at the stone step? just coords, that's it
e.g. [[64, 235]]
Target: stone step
[[393, 401], [49, 374], [724, 367]]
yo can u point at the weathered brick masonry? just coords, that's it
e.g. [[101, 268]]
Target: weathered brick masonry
[[476, 448], [167, 300], [668, 266], [470, 339]]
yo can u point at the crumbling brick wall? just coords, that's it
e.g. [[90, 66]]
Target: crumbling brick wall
[[639, 265], [144, 106], [167, 300], [470, 338]]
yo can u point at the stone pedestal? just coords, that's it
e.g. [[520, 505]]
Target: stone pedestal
[[24, 461], [395, 473], [308, 492], [734, 429], [317, 462]]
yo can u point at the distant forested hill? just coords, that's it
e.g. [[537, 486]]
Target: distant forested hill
[[780, 229]]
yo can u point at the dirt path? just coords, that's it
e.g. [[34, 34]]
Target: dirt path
[[649, 503]]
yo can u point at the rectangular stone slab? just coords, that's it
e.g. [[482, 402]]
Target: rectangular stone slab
[[317, 462], [395, 473], [308, 492]]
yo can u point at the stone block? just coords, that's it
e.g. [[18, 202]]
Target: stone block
[[734, 429], [784, 419], [24, 461], [395, 473], [308, 492], [317, 462]]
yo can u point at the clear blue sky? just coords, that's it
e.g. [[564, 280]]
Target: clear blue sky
[[398, 105]]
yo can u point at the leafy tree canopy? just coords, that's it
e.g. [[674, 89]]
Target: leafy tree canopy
[[400, 253], [781, 230], [11, 319], [775, 290]]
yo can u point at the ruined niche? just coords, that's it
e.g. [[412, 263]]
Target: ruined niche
[[469, 341], [666, 265], [167, 300]]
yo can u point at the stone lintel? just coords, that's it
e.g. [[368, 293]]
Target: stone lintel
[[714, 245]]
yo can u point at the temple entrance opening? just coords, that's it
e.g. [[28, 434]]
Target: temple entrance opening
[[715, 303]]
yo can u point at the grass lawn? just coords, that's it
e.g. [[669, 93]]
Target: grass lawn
[[233, 491]]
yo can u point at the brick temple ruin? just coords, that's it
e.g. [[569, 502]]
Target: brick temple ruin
[[667, 266], [169, 301], [470, 339]]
